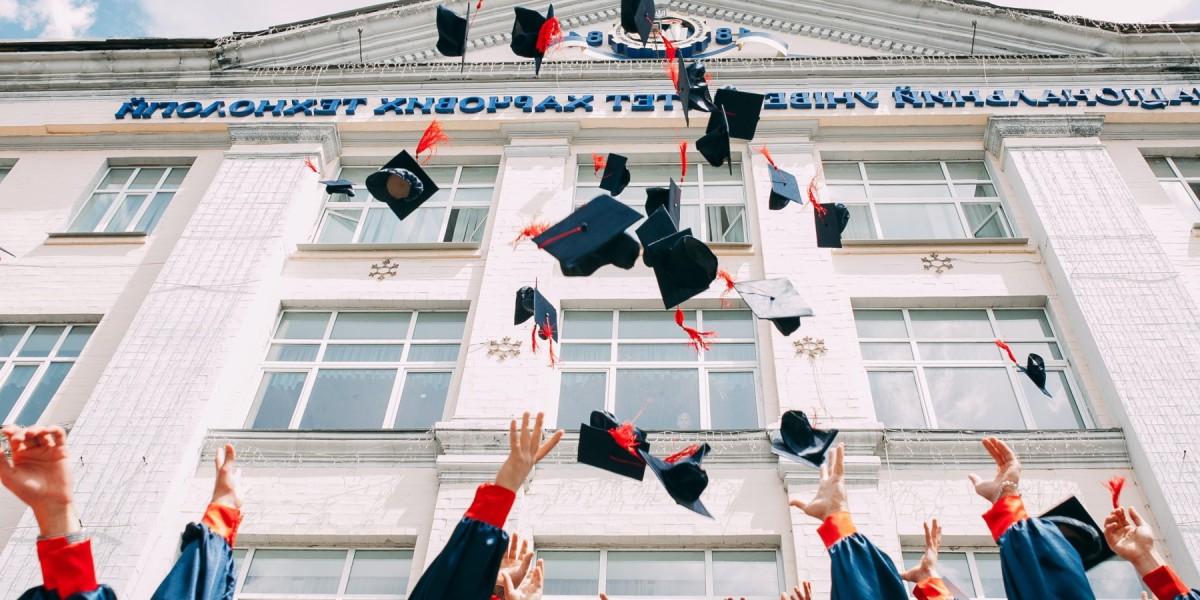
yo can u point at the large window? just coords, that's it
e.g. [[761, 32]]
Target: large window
[[321, 574], [34, 361], [713, 205], [977, 574], [129, 199], [638, 363], [456, 213], [358, 370], [677, 574], [917, 200], [1179, 177], [942, 369]]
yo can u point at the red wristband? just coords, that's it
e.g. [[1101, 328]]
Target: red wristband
[[223, 520], [1006, 512], [836, 527], [1165, 584], [492, 504]]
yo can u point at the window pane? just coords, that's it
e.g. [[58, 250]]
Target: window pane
[[973, 398], [175, 178], [968, 170], [729, 323], [578, 395], [886, 351], [440, 326], [670, 397], [42, 340], [880, 324], [571, 573], [10, 336], [689, 216], [52, 378], [443, 173], [585, 352], [125, 213], [371, 326], [919, 221], [652, 325], [656, 353], [14, 386], [1195, 188], [295, 572], [953, 568], [656, 573], [861, 225], [348, 399], [1058, 412], [578, 324], [722, 352], [1188, 167], [1114, 579], [478, 175], [905, 171], [946, 351], [423, 400], [1160, 167], [910, 191], [726, 224], [844, 193], [835, 170], [712, 173], [302, 325], [115, 179], [339, 226], [380, 572], [277, 396], [477, 197], [155, 212], [433, 353], [147, 179], [975, 190], [1047, 350], [94, 210], [986, 220], [422, 226], [990, 577], [1178, 192], [897, 400], [466, 225], [364, 352], [293, 352], [951, 324], [1023, 324], [74, 343], [745, 574], [732, 401], [357, 174], [656, 174]]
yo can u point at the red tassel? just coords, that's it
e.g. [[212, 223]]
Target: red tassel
[[1007, 349], [819, 210], [309, 163], [431, 138], [688, 452], [548, 331], [729, 287], [479, 5], [625, 437], [699, 338], [683, 161], [672, 70], [668, 47], [560, 236], [530, 231], [1115, 485], [550, 34], [708, 77], [599, 161], [767, 154], [533, 336]]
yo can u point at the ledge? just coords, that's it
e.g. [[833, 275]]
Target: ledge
[[1007, 244], [282, 448], [732, 248], [70, 238]]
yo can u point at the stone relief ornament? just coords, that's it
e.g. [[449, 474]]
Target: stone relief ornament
[[810, 347], [937, 263], [504, 348], [383, 270]]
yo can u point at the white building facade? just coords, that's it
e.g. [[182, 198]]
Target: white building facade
[[174, 278]]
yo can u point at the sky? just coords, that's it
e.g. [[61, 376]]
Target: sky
[[73, 19]]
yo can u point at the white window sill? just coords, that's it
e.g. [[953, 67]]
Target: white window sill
[[469, 248], [73, 238], [732, 248], [960, 243]]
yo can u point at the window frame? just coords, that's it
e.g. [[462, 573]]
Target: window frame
[[123, 193], [917, 366], [1178, 177], [363, 202], [42, 364], [5, 170], [702, 366], [709, 584], [243, 570]]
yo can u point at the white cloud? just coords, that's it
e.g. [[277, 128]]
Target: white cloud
[[53, 19], [1120, 11], [8, 10], [214, 18]]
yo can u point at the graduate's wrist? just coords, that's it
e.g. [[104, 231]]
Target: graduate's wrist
[[1147, 562], [56, 520]]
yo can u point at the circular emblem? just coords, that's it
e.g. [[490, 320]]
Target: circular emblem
[[690, 36]]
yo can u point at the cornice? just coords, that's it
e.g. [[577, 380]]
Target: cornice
[[283, 449], [325, 134], [1002, 127], [148, 140]]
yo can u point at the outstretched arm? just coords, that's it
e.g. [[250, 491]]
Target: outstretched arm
[[929, 585], [1133, 540]]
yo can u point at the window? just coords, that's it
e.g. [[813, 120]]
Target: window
[[1179, 177], [714, 202], [129, 199], [4, 172], [942, 369], [678, 574], [456, 213], [321, 574], [977, 574], [34, 361], [640, 363], [917, 200], [358, 370]]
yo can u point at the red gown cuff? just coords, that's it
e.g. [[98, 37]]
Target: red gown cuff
[[67, 568], [1165, 584], [1006, 512], [492, 504], [836, 527], [932, 588], [223, 520]]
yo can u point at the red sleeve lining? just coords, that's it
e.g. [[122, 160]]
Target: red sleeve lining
[[836, 527], [1165, 584], [223, 520], [492, 504], [932, 588], [1006, 512], [67, 568]]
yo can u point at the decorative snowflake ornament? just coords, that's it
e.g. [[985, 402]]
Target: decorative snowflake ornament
[[384, 270], [504, 348], [810, 347], [937, 263]]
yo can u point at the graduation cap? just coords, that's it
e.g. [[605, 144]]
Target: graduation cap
[[658, 227], [775, 300], [1034, 369], [684, 267], [670, 198], [797, 440], [616, 174], [339, 186], [830, 222], [784, 189], [742, 109], [1081, 531], [692, 87], [533, 34], [606, 444], [531, 303], [714, 145], [452, 31], [401, 184], [637, 16], [592, 236], [682, 476]]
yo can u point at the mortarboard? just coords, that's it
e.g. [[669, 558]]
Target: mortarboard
[[452, 31], [616, 174], [531, 303], [742, 109], [637, 16], [401, 184], [684, 267], [592, 236], [608, 445], [831, 224], [692, 88], [528, 34], [714, 145], [775, 300], [784, 189], [682, 476], [670, 198], [339, 186], [1035, 370], [798, 440], [658, 226], [1081, 531]]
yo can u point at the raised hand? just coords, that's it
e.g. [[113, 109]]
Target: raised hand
[[1132, 539], [530, 589], [1008, 472], [831, 493], [800, 592], [515, 563], [225, 487], [40, 476], [525, 450], [928, 565]]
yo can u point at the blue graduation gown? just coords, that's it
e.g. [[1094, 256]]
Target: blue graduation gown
[[1036, 560], [466, 568], [41, 593], [860, 570], [204, 570]]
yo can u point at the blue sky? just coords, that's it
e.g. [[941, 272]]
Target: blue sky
[[70, 19]]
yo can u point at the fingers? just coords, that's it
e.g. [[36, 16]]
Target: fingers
[[800, 504], [230, 455], [512, 437], [937, 534], [825, 468], [524, 440], [839, 461], [928, 536], [538, 574], [1135, 517], [807, 590], [548, 446], [603, 597], [511, 553], [536, 438], [1004, 454], [525, 560], [59, 435], [974, 479], [509, 590]]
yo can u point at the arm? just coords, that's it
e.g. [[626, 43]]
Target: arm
[[928, 585], [1133, 540]]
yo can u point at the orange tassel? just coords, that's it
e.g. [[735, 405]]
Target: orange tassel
[[548, 331], [767, 154], [432, 137], [729, 287], [599, 161], [530, 231], [1007, 349], [479, 5], [309, 163], [1115, 485], [673, 72], [699, 338], [708, 77], [626, 438], [668, 47], [683, 161], [550, 34], [819, 210], [688, 452]]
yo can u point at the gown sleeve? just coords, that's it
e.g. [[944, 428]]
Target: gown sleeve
[[932, 589], [466, 568], [1166, 585], [205, 569], [860, 571], [1036, 560], [67, 572]]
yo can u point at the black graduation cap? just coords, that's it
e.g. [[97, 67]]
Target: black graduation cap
[[684, 267], [776, 300], [1035, 370], [714, 145], [593, 236], [531, 303], [402, 184], [616, 174], [637, 16], [339, 186], [658, 227], [452, 31], [1081, 531], [670, 198], [692, 88], [683, 478], [742, 109], [526, 28], [831, 225], [784, 189], [599, 448], [798, 440]]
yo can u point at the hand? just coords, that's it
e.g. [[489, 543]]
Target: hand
[[1132, 539], [39, 475], [225, 487], [515, 562], [928, 565], [525, 450], [1008, 470], [800, 592], [530, 589], [831, 493]]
